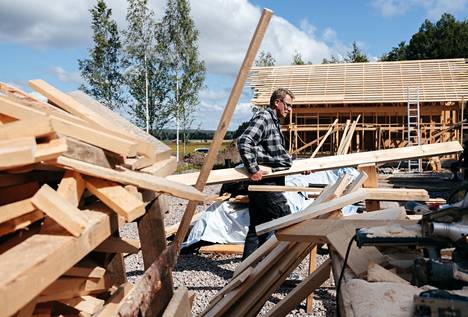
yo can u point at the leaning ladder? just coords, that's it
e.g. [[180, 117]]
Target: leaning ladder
[[414, 129]]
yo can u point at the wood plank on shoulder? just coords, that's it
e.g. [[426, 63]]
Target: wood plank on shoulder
[[328, 162]]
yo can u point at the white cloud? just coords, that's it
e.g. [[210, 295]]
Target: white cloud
[[66, 76], [209, 114], [433, 8]]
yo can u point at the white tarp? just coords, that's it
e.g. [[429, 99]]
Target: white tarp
[[228, 222]]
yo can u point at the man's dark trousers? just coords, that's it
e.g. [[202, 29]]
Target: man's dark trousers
[[263, 207]]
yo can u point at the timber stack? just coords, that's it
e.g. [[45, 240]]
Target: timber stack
[[71, 173]]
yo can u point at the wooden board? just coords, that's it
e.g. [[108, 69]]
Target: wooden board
[[222, 249], [358, 257], [142, 180], [17, 152], [71, 187], [116, 197], [61, 210], [301, 291], [273, 188], [179, 306], [119, 245], [348, 199], [87, 304], [36, 127], [16, 209], [325, 163], [47, 256]]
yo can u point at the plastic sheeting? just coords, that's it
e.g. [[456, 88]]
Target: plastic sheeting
[[226, 222]]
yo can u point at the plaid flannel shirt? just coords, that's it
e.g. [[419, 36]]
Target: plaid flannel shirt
[[263, 143]]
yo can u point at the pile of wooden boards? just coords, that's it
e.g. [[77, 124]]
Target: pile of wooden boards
[[297, 235], [71, 173]]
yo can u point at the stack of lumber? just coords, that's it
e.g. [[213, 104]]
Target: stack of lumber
[[298, 234], [71, 173]]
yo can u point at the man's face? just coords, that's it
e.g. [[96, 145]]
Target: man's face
[[283, 106]]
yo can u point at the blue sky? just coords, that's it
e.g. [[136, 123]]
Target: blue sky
[[44, 39]]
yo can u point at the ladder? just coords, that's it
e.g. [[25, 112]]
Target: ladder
[[414, 129]]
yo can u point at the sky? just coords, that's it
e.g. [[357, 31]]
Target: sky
[[45, 39]]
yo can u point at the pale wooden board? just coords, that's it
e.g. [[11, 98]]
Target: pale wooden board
[[179, 306], [47, 256], [17, 152], [86, 303], [330, 162], [36, 127], [161, 150], [61, 210], [142, 180], [376, 273], [116, 197], [16, 209], [71, 187], [301, 291], [313, 211], [223, 249], [358, 257]]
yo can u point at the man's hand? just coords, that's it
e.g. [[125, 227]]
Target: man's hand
[[257, 176]]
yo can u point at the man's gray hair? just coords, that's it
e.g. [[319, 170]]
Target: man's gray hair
[[280, 94]]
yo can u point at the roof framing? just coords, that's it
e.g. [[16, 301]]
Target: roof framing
[[439, 80]]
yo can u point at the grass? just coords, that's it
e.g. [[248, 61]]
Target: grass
[[191, 146]]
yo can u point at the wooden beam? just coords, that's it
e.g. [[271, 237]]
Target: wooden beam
[[179, 306], [119, 245], [348, 199], [116, 197], [86, 303], [330, 129], [59, 209], [35, 127], [317, 230], [222, 249], [162, 168], [301, 291], [274, 188], [50, 151], [71, 187], [17, 152], [142, 180], [20, 222], [329, 162], [95, 137], [85, 152], [16, 209], [371, 182], [376, 273], [86, 268], [47, 256], [218, 138]]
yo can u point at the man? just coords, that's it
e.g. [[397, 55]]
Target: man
[[263, 143]]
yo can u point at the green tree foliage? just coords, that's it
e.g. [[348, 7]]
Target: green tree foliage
[[185, 73], [102, 70], [356, 55], [297, 59], [265, 59], [447, 38], [145, 78], [333, 60]]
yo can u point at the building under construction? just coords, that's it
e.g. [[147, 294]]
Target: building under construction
[[368, 106]]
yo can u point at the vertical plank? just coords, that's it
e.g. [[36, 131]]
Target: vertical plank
[[71, 187], [370, 182], [312, 267], [224, 122]]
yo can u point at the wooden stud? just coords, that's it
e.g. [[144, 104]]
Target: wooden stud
[[71, 187], [59, 209]]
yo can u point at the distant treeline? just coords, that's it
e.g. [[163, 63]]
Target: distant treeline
[[170, 134]]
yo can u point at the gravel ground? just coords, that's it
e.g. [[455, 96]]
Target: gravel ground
[[206, 274]]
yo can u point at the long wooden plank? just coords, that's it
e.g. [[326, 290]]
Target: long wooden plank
[[86, 303], [36, 127], [59, 209], [330, 162], [223, 249], [317, 230], [142, 180], [274, 188], [179, 306], [95, 137], [51, 150], [17, 152], [116, 197], [71, 187], [324, 138], [202, 177], [47, 256], [326, 207], [16, 209], [301, 291]]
